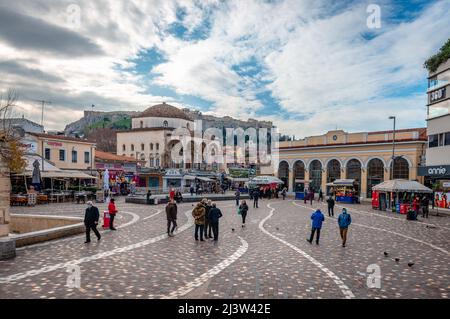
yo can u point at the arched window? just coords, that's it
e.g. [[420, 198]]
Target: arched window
[[375, 174], [354, 172], [142, 157], [142, 124], [165, 124], [157, 162], [283, 173], [124, 148], [333, 170], [157, 146], [142, 147], [152, 162], [132, 147], [299, 176], [151, 146], [315, 175], [401, 169]]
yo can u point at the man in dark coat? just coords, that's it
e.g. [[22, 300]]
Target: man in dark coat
[[330, 202], [255, 198], [208, 226], [171, 212], [214, 215], [91, 217]]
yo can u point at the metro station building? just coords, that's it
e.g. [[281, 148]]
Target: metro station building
[[366, 157]]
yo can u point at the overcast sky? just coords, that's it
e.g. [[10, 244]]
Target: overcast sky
[[309, 66]]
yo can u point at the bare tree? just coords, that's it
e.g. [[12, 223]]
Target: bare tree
[[11, 151]]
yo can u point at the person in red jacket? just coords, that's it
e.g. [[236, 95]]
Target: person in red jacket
[[112, 213]]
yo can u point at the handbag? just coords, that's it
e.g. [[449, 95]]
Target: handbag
[[239, 211]]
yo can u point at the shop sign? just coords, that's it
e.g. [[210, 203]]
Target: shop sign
[[437, 95], [55, 144], [434, 171], [173, 172]]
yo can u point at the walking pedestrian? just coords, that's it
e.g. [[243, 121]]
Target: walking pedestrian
[[149, 194], [425, 206], [214, 215], [172, 194], [416, 206], [305, 195], [112, 213], [255, 198], [237, 196], [171, 212], [191, 189], [317, 220], [283, 193], [243, 210], [344, 220], [199, 216], [320, 199], [208, 229], [311, 196], [91, 217], [331, 203]]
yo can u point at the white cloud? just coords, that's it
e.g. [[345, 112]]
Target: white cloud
[[320, 67]]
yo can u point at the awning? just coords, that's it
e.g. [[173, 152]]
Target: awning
[[205, 179], [237, 179], [189, 177], [402, 185], [265, 180], [342, 182]]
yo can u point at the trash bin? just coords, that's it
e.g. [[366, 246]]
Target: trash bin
[[106, 219]]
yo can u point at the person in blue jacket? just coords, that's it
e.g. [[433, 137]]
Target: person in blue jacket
[[344, 220], [317, 219]]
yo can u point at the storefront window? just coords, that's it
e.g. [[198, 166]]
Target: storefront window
[[433, 140], [315, 175], [299, 176], [354, 172], [375, 174], [283, 173], [333, 171], [401, 169], [74, 156], [447, 139], [62, 155]]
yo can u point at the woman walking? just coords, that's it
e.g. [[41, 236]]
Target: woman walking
[[112, 210], [171, 212], [243, 209]]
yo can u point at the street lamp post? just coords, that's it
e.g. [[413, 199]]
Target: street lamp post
[[393, 148]]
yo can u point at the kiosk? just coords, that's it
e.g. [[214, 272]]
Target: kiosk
[[345, 190], [397, 194]]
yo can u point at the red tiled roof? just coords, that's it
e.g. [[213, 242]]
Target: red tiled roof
[[104, 156]]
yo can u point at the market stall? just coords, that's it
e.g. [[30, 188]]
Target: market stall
[[397, 194], [345, 190], [265, 183]]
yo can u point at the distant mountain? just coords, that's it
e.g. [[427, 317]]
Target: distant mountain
[[101, 127]]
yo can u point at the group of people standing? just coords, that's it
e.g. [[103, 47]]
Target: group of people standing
[[206, 216]]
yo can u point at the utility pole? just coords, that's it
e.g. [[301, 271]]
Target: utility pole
[[43, 102]]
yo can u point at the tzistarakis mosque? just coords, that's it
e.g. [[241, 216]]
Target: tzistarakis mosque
[[365, 157]]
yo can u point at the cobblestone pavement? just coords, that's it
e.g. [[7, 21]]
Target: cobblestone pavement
[[269, 258]]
